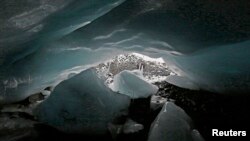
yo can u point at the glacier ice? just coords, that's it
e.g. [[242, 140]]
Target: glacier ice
[[19, 79], [132, 83], [181, 82], [131, 126], [211, 49], [173, 124], [157, 102], [82, 104]]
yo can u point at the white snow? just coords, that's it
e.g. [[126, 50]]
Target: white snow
[[132, 83], [155, 78], [147, 58]]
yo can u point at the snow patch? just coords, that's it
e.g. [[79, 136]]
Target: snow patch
[[146, 58]]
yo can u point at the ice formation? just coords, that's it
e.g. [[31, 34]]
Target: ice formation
[[44, 42], [181, 82], [82, 104], [173, 124], [132, 83]]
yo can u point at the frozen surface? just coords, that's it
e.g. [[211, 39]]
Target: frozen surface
[[173, 124], [82, 104], [45, 42], [157, 102], [131, 126], [132, 83], [13, 126], [181, 82], [27, 27]]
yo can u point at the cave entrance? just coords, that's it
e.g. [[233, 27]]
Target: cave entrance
[[153, 69]]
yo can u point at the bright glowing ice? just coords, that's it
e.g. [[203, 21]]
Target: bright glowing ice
[[132, 83]]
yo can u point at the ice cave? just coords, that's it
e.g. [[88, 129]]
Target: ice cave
[[123, 70]]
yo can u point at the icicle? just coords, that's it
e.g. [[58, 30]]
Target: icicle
[[139, 66], [109, 64], [141, 69]]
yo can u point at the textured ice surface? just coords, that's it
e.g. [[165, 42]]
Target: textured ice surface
[[131, 126], [173, 124], [132, 83], [181, 82], [82, 104], [28, 29], [43, 42]]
